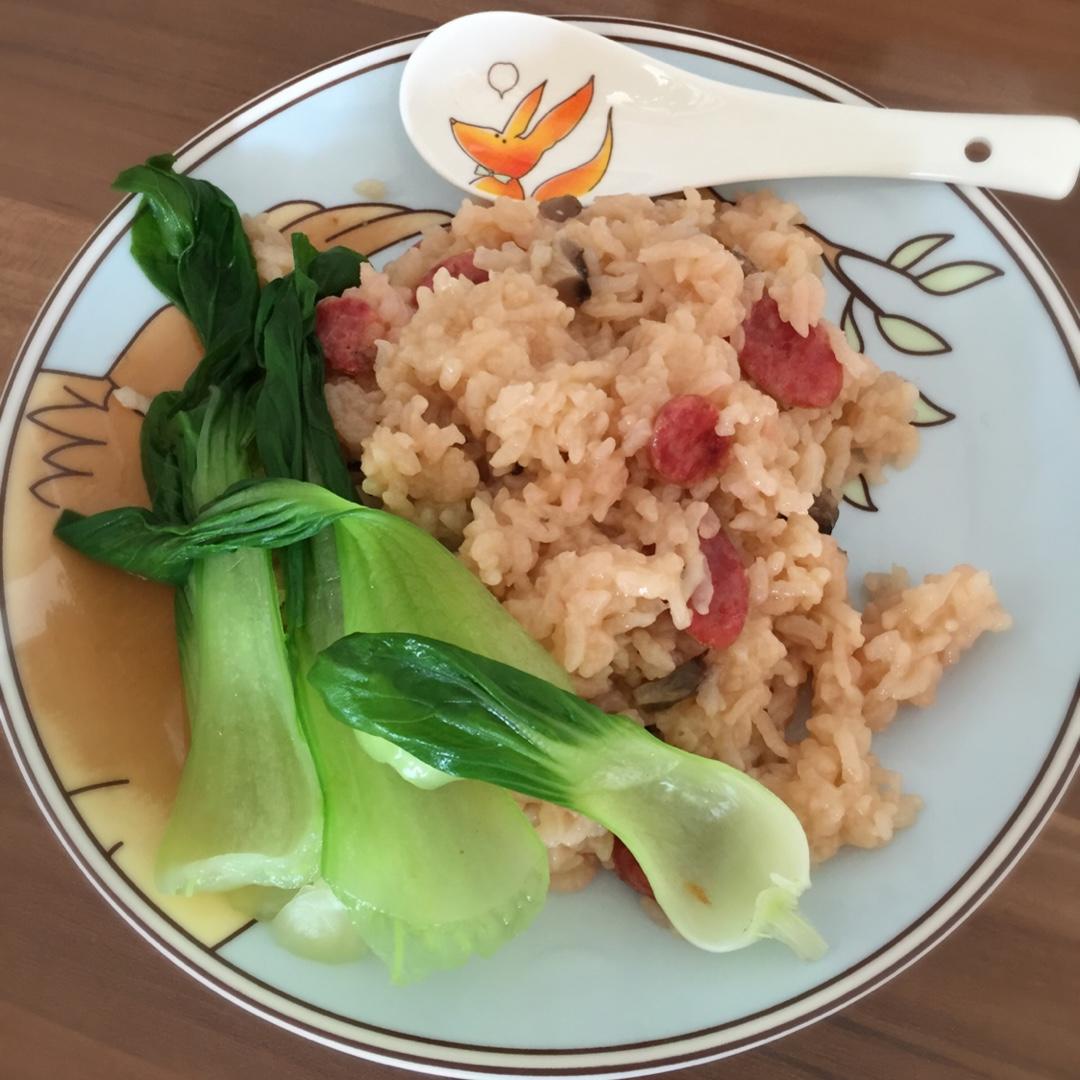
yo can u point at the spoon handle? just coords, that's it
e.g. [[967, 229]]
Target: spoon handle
[[671, 128], [1035, 155]]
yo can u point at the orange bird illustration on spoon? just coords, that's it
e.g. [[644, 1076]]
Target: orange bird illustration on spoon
[[505, 157]]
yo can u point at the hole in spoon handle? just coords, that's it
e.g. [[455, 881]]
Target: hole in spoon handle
[[978, 150]]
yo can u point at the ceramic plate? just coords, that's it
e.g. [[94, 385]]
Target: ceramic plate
[[89, 678]]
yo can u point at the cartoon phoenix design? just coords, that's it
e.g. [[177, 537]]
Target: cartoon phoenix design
[[505, 157]]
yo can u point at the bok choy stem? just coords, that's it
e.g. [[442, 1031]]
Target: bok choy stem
[[248, 808], [248, 811]]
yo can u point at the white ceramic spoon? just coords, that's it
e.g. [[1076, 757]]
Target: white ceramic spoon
[[506, 103]]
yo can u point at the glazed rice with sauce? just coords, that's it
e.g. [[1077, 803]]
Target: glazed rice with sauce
[[559, 397]]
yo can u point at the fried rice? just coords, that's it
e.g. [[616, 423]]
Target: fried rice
[[515, 426]]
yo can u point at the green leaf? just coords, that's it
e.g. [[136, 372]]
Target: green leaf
[[950, 278], [189, 240], [911, 251], [286, 315], [267, 514], [725, 857], [510, 737], [908, 336], [296, 437], [333, 270], [295, 434], [132, 539], [152, 253], [166, 440]]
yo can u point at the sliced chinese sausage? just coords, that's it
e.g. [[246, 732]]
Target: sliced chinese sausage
[[347, 328], [685, 448], [462, 265], [629, 869], [794, 370], [723, 622]]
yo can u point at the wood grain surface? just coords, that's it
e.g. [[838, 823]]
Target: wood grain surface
[[87, 88]]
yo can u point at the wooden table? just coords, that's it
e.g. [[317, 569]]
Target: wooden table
[[89, 88]]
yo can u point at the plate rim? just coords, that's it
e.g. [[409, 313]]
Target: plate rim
[[444, 1057]]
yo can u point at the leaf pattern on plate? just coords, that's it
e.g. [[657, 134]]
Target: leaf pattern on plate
[[912, 251], [954, 277], [929, 414], [851, 327], [911, 337], [899, 330], [857, 493]]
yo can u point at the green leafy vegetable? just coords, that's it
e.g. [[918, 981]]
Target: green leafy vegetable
[[248, 811], [296, 436], [266, 514], [428, 877], [400, 578], [189, 240], [726, 858]]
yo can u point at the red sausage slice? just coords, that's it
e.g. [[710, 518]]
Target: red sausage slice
[[629, 869], [724, 620], [685, 448], [460, 265], [796, 371], [347, 328]]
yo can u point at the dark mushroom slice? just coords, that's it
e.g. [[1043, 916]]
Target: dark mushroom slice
[[569, 274], [825, 510], [561, 208], [671, 689]]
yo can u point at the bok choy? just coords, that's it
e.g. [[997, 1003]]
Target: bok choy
[[726, 858], [248, 810], [428, 877]]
